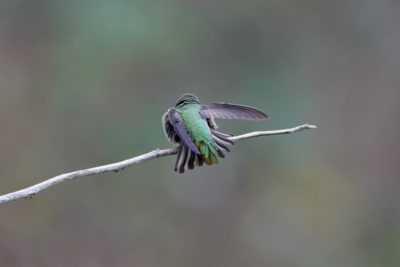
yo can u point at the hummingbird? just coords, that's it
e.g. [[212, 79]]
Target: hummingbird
[[191, 126]]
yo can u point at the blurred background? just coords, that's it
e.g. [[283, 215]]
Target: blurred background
[[84, 83]]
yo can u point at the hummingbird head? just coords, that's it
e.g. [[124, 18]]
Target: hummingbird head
[[187, 99]]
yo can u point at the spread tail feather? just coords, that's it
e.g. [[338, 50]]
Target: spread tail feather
[[191, 160], [209, 153], [181, 159]]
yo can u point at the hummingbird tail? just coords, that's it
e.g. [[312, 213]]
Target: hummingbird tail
[[209, 152], [192, 158], [181, 159], [187, 158], [222, 140]]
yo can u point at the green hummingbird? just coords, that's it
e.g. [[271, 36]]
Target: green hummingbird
[[191, 125]]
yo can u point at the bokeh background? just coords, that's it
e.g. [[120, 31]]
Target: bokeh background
[[84, 83]]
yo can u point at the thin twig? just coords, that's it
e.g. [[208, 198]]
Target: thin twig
[[31, 191]]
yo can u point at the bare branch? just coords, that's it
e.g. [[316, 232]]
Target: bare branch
[[273, 132], [31, 191]]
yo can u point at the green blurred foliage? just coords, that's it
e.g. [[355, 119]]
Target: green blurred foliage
[[83, 83]]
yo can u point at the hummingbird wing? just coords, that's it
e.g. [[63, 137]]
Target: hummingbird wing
[[177, 123], [169, 130], [231, 111]]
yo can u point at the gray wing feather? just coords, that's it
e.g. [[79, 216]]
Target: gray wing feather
[[232, 111], [169, 129]]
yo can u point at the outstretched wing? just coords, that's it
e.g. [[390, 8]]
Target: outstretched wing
[[177, 123], [231, 111]]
